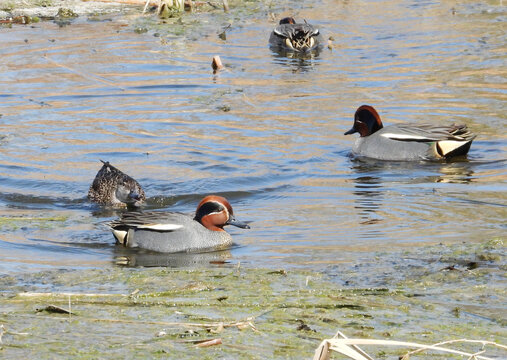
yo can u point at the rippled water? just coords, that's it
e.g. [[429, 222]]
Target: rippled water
[[267, 133]]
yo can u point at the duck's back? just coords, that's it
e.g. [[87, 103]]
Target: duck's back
[[377, 146]]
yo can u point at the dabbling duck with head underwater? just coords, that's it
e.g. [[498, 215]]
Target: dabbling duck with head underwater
[[405, 142], [289, 35], [172, 232], [112, 187]]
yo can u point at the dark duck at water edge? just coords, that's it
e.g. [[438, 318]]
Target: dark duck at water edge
[[290, 36], [112, 187], [172, 232], [407, 142]]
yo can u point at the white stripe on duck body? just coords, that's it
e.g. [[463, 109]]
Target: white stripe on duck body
[[112, 187], [296, 37], [172, 232], [407, 142]]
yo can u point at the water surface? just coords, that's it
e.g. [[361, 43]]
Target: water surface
[[267, 133]]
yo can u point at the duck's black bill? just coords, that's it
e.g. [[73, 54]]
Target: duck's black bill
[[240, 224], [351, 131]]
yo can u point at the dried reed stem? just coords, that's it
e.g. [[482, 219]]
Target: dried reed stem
[[483, 342], [342, 346]]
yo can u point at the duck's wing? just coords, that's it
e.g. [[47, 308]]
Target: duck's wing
[[293, 31], [151, 220], [427, 132]]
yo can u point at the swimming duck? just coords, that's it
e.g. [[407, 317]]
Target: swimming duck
[[171, 232], [296, 37], [111, 187], [407, 141]]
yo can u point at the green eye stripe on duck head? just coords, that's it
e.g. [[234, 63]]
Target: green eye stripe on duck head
[[210, 208], [214, 212]]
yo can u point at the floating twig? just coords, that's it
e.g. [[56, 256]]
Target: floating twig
[[223, 35], [208, 343]]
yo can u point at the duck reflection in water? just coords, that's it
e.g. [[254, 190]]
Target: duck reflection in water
[[139, 258], [456, 172], [380, 183], [296, 62], [369, 196]]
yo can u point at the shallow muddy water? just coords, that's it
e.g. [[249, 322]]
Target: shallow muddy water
[[267, 133], [400, 251]]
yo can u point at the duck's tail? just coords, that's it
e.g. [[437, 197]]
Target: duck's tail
[[450, 148], [458, 143]]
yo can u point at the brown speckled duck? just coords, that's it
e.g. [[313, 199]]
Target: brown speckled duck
[[112, 187]]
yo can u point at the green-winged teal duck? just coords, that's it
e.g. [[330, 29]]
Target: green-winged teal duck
[[172, 232], [407, 141], [289, 35]]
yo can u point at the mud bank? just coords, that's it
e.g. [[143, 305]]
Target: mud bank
[[50, 8], [426, 296]]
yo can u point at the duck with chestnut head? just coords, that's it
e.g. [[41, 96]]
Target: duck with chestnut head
[[407, 142], [172, 232]]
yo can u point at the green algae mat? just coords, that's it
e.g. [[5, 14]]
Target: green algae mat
[[228, 311]]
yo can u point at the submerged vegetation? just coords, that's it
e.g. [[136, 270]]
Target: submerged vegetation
[[15, 222], [225, 311]]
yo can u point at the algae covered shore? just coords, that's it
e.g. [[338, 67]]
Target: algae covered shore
[[230, 311], [50, 8]]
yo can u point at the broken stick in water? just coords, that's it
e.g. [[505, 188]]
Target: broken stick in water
[[208, 343], [216, 64]]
